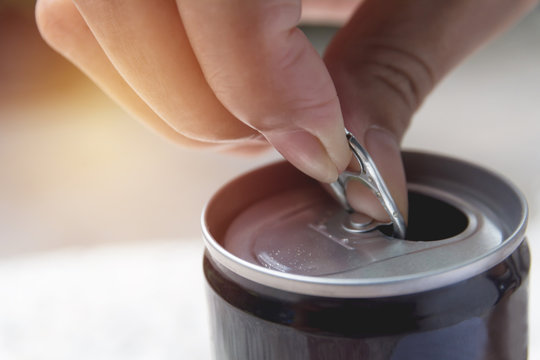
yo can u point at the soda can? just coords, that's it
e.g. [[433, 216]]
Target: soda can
[[292, 275]]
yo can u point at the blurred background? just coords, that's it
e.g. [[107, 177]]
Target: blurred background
[[100, 245]]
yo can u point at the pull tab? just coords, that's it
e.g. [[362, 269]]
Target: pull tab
[[369, 176]]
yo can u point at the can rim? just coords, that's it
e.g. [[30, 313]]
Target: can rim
[[372, 287]]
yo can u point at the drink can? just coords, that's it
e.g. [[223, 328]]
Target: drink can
[[291, 275]]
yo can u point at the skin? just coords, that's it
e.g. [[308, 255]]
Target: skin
[[239, 73]]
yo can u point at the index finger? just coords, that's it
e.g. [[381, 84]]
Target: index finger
[[265, 72]]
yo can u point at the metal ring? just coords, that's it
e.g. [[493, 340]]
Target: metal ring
[[369, 176]]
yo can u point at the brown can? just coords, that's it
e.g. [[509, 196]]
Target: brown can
[[291, 275]]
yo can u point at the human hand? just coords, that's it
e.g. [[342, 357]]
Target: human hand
[[230, 73]]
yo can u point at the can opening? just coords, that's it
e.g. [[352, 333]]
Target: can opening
[[432, 219]]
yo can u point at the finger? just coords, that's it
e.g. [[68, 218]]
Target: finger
[[146, 43], [333, 12], [246, 150], [266, 73], [387, 59], [384, 149], [64, 29]]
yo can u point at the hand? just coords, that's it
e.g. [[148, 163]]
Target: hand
[[208, 73]]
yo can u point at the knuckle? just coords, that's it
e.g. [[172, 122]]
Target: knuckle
[[400, 73], [399, 82], [53, 20], [401, 77], [404, 73]]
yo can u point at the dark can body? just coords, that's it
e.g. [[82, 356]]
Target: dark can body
[[476, 313]]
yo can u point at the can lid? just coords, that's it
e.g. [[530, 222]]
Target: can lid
[[304, 232], [277, 227]]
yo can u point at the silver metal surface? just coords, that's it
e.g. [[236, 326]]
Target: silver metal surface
[[368, 175], [496, 212]]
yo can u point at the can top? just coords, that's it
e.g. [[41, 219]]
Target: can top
[[275, 226]]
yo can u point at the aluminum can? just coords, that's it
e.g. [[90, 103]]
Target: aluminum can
[[290, 275]]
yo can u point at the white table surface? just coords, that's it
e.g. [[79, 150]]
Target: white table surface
[[124, 301], [138, 301]]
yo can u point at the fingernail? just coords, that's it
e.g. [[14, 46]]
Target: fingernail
[[384, 149], [306, 152]]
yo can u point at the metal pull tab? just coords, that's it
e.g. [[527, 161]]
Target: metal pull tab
[[370, 176]]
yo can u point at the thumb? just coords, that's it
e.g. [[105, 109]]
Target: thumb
[[263, 69], [377, 103], [387, 59]]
